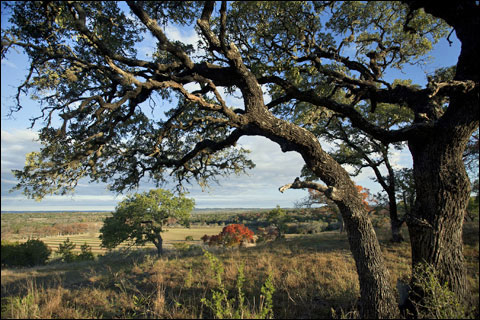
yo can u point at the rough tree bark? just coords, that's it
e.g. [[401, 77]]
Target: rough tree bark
[[442, 184], [443, 190], [395, 222], [377, 299]]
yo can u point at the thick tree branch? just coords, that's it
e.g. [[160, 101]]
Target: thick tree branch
[[152, 25], [204, 24], [330, 192], [212, 146], [357, 119]]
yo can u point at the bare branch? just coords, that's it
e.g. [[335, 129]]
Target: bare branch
[[330, 192], [452, 87]]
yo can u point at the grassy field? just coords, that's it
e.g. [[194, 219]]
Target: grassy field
[[18, 226], [314, 276], [173, 235]]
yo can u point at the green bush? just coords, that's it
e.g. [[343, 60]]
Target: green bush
[[85, 253], [30, 253], [36, 251], [439, 302], [223, 307], [308, 227], [65, 250]]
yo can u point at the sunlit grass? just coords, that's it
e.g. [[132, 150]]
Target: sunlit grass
[[314, 277], [173, 235]]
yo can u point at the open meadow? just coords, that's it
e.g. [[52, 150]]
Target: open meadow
[[81, 227], [172, 236], [312, 275]]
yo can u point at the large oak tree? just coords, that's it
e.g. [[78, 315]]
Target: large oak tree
[[84, 68]]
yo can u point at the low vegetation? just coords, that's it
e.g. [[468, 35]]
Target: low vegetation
[[299, 276], [30, 253]]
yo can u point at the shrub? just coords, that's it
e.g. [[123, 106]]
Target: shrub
[[439, 301], [30, 253], [85, 253], [231, 235], [36, 251], [308, 227], [235, 308], [65, 249], [12, 254], [267, 234]]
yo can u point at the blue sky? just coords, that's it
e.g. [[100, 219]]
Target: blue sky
[[258, 189]]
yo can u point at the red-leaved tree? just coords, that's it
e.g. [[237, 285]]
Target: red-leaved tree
[[367, 199], [231, 235]]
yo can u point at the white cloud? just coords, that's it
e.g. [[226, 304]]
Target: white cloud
[[15, 145], [18, 136], [176, 33]]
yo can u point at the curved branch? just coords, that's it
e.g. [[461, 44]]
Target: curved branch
[[357, 119], [330, 192], [152, 25]]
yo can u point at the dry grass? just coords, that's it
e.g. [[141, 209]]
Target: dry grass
[[312, 274], [172, 236]]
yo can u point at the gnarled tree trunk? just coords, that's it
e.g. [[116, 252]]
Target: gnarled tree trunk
[[377, 299], [395, 223], [442, 184], [443, 190]]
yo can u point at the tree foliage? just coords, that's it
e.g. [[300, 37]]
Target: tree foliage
[[230, 236], [27, 254], [141, 218], [279, 219], [318, 61]]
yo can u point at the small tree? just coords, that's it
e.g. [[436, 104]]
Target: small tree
[[231, 235], [85, 253], [278, 218], [65, 249], [141, 218]]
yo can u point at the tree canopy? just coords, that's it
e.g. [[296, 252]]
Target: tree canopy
[[85, 71], [141, 218], [318, 61]]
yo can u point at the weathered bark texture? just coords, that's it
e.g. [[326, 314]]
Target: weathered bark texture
[[442, 185], [395, 222], [377, 299], [395, 227], [443, 190]]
